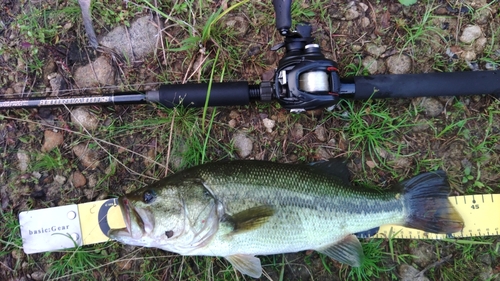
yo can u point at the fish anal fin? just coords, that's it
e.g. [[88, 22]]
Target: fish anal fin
[[246, 264], [251, 218], [347, 250]]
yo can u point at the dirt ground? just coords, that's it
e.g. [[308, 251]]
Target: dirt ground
[[51, 158]]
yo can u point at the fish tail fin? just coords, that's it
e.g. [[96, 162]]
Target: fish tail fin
[[427, 205]]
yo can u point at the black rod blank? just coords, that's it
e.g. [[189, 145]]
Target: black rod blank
[[427, 85]]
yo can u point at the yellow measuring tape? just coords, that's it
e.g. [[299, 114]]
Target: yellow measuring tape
[[88, 223], [478, 211]]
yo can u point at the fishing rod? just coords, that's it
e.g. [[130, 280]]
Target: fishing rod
[[304, 80]]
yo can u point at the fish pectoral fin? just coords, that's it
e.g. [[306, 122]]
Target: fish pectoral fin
[[347, 250], [246, 264], [250, 218]]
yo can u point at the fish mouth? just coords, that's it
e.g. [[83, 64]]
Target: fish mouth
[[137, 221]]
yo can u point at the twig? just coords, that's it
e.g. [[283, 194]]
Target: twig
[[432, 265]]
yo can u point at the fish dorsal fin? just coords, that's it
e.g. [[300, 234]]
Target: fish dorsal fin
[[250, 218], [347, 250], [246, 264], [336, 167]]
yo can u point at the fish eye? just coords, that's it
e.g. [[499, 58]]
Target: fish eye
[[149, 196]]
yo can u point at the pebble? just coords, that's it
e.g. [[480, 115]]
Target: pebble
[[60, 179], [51, 140], [421, 126], [57, 83], [432, 107], [320, 133], [234, 114], [468, 55], [237, 23], [399, 64], [269, 124], [423, 254], [409, 273], [351, 13], [243, 144], [374, 49], [78, 179], [365, 22], [373, 66], [37, 275], [81, 117], [23, 159], [297, 131], [99, 73], [135, 42], [470, 33], [480, 44], [233, 123], [88, 158]]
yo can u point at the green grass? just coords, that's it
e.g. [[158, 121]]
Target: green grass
[[140, 144], [373, 130]]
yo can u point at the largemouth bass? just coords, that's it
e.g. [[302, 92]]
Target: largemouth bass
[[239, 209]]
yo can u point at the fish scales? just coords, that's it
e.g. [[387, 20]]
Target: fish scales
[[305, 206]]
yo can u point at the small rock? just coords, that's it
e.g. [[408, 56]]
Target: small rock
[[234, 114], [356, 48], [409, 273], [48, 68], [297, 131], [373, 66], [432, 107], [232, 123], [92, 180], [423, 254], [37, 275], [23, 159], [483, 16], [60, 179], [17, 254], [124, 264], [243, 144], [468, 55], [98, 73], [237, 23], [88, 158], [269, 124], [320, 133], [78, 179], [470, 33], [365, 22], [480, 44], [401, 162], [399, 64], [374, 49], [363, 6], [9, 92], [81, 117], [322, 153], [51, 140], [351, 13], [420, 126], [135, 42], [57, 83]]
